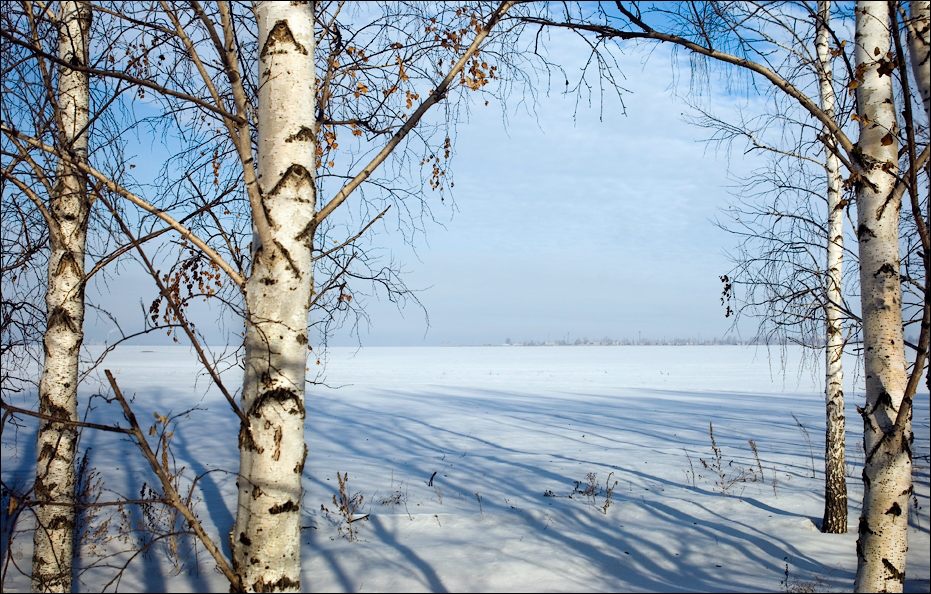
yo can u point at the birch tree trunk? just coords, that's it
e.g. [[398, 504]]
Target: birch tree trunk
[[919, 48], [266, 537], [887, 472], [69, 208], [835, 482]]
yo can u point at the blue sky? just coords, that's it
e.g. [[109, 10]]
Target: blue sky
[[567, 223], [575, 227]]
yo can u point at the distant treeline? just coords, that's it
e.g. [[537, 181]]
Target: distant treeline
[[640, 341]]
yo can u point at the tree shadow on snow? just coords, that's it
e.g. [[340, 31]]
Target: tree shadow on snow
[[464, 436]]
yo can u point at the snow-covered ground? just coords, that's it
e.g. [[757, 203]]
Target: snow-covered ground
[[511, 438]]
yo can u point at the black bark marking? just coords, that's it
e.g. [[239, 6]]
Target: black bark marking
[[287, 506], [884, 399], [245, 539], [277, 37], [68, 260], [305, 134], [268, 281], [42, 490], [301, 338], [246, 442], [863, 528], [278, 435], [299, 467], [897, 575], [61, 521], [280, 395], [294, 175], [61, 317], [888, 269], [47, 453], [58, 411], [253, 561], [287, 256], [257, 492], [863, 231], [279, 585], [894, 510]]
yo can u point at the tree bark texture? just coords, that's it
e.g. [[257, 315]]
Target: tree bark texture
[[266, 539], [887, 472], [69, 209], [834, 519]]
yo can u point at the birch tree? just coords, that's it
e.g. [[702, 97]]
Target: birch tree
[[46, 219], [788, 271], [882, 542], [67, 218], [266, 551], [266, 537], [835, 482]]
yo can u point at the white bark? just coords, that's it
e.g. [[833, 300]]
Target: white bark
[[835, 482], [882, 542], [919, 48], [266, 537], [69, 208]]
